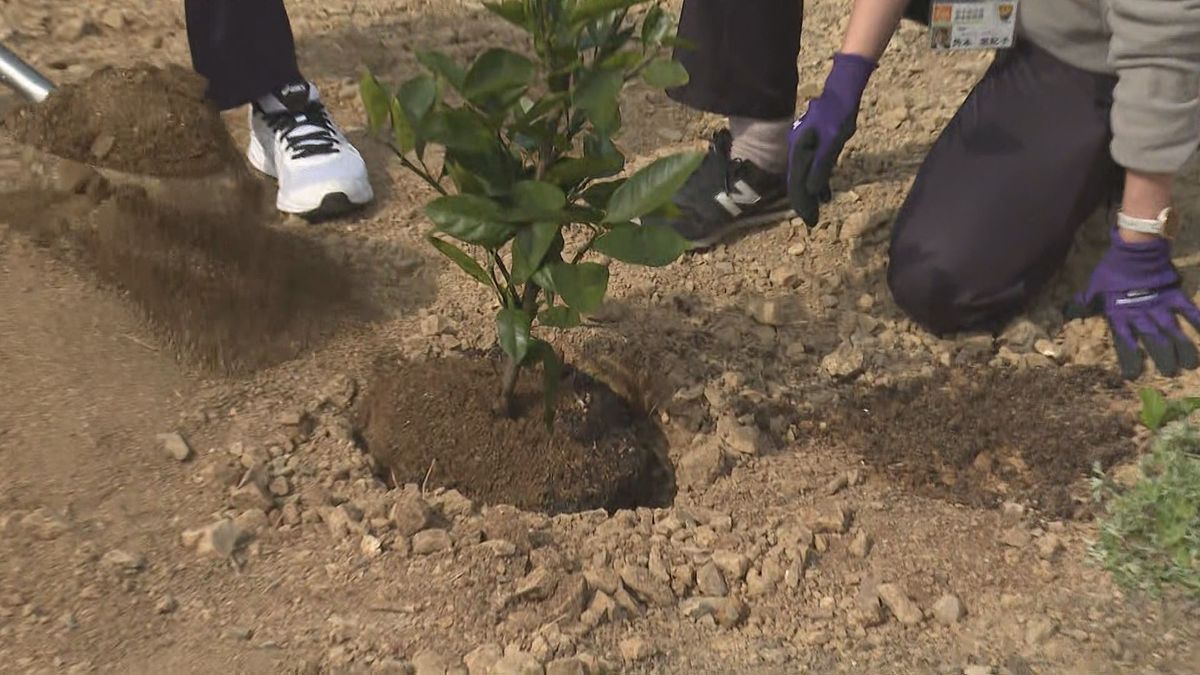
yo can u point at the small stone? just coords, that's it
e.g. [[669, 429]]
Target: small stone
[[501, 548], [239, 633], [646, 587], [480, 660], [113, 18], [1050, 547], [605, 579], [1039, 630], [342, 521], [836, 485], [860, 547], [1016, 537], [767, 312], [785, 277], [123, 561], [861, 223], [701, 466], [452, 504], [1049, 349], [835, 520], [845, 362], [44, 524], [518, 663], [867, 611], [251, 496], [103, 145], [370, 546], [741, 439], [252, 520], [280, 487], [635, 649], [948, 610], [291, 514], [291, 418], [710, 581], [733, 565], [571, 666], [431, 541], [166, 605], [978, 670], [429, 662], [537, 585], [797, 249], [219, 539], [898, 602], [411, 514], [175, 446]]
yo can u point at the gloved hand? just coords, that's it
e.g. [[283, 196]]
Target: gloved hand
[[1137, 288], [817, 138]]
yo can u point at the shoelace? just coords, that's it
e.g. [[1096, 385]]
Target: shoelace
[[307, 133]]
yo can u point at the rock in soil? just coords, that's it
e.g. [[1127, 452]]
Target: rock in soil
[[479, 661], [645, 587], [845, 362], [948, 610], [518, 663], [571, 666], [733, 565], [900, 605], [431, 541], [436, 418], [166, 605], [218, 539], [635, 649], [411, 514], [44, 524], [123, 562], [860, 547], [429, 662], [1039, 630], [701, 466], [1050, 546], [710, 581], [175, 446], [538, 585], [742, 439], [727, 612]]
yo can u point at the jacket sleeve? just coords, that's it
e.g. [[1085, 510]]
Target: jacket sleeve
[[1155, 49]]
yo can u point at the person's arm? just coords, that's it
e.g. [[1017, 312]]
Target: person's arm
[[1155, 49], [872, 25]]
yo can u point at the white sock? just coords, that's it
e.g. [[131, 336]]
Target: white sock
[[761, 142]]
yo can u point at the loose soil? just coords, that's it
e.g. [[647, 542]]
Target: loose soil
[[227, 292], [982, 437], [601, 452], [142, 120]]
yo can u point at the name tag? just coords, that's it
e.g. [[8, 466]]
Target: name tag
[[972, 24]]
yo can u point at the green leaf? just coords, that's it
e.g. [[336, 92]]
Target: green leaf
[[656, 26], [560, 317], [597, 96], [599, 194], [1154, 408], [589, 10], [497, 73], [460, 130], [551, 376], [375, 99], [538, 198], [512, 11], [530, 249], [512, 327], [665, 74], [470, 218], [462, 259], [651, 245], [582, 285], [651, 187], [443, 66], [1178, 409], [403, 132], [417, 97]]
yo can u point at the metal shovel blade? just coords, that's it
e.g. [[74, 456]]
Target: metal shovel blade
[[22, 77]]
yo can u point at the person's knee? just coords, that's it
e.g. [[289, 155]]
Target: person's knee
[[932, 286]]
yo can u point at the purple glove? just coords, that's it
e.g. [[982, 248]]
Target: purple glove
[[817, 138], [1137, 288]]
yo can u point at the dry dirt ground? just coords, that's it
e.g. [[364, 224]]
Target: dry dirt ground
[[854, 496]]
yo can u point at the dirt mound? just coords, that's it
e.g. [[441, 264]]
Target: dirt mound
[[983, 437], [143, 120], [227, 291], [433, 421]]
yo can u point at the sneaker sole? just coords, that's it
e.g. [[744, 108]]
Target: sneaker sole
[[781, 212], [333, 205]]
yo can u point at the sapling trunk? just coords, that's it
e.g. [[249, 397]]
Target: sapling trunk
[[512, 367]]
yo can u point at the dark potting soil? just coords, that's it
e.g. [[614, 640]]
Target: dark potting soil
[[434, 421], [143, 120], [982, 437]]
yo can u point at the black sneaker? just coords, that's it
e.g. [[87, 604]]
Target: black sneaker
[[726, 195]]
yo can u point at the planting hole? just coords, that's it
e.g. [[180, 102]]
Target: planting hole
[[432, 424]]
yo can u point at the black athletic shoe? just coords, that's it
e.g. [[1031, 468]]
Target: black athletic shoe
[[726, 195]]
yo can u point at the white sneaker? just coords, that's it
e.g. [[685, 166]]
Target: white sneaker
[[293, 139]]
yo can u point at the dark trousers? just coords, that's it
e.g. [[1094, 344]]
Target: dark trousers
[[1000, 196], [742, 61], [243, 47]]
